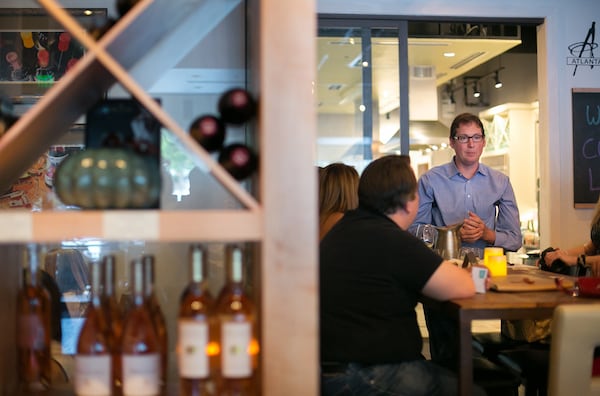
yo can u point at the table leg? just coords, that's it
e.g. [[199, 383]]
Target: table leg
[[465, 356]]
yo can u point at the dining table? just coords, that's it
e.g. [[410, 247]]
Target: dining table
[[525, 293]]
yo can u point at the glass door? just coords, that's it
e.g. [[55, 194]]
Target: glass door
[[358, 90]]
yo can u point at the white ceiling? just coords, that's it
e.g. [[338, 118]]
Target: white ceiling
[[339, 79]]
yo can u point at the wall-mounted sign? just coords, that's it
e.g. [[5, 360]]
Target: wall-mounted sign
[[586, 146], [582, 52]]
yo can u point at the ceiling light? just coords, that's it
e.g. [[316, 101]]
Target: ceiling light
[[476, 92], [497, 83], [449, 54]]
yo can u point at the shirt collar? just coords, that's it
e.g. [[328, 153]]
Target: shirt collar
[[451, 169]]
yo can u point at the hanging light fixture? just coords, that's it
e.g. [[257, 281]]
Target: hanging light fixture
[[476, 91], [497, 82]]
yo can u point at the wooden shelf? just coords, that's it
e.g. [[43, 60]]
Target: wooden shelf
[[148, 225]]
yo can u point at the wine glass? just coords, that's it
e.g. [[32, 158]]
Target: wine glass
[[427, 234]]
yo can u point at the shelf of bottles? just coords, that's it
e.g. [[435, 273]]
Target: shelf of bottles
[[111, 325]]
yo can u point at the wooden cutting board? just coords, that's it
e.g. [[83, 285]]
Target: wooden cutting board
[[522, 283]]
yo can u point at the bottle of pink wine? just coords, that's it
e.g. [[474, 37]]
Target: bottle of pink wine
[[140, 346], [112, 315], [156, 314], [237, 331], [33, 327], [93, 361], [196, 345]]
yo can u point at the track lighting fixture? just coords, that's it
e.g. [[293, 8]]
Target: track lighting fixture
[[476, 91], [497, 82]]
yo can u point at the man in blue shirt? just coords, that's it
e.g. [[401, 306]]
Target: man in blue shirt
[[465, 190]]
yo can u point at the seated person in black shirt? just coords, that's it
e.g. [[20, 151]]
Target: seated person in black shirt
[[372, 275]]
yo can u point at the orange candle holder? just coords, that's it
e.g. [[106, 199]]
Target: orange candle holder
[[497, 265], [491, 251]]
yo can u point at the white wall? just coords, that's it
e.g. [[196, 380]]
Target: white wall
[[565, 23]]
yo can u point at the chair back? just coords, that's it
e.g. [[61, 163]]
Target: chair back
[[575, 334]]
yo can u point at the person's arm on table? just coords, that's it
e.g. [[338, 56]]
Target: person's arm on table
[[572, 255], [449, 282]]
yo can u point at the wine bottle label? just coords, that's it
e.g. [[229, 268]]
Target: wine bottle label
[[31, 334], [92, 375], [141, 375], [236, 361], [193, 360]]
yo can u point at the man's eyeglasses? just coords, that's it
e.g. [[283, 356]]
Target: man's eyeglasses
[[465, 138]]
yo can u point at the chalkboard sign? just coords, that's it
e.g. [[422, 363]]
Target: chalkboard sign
[[586, 147]]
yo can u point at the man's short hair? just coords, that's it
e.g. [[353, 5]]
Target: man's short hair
[[465, 118], [387, 184]]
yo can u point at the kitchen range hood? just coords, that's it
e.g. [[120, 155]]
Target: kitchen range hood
[[422, 134]]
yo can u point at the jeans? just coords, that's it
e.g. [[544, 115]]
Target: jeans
[[415, 378]]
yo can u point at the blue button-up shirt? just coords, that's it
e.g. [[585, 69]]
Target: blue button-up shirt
[[446, 197]]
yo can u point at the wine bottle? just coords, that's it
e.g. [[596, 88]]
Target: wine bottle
[[140, 347], [112, 315], [209, 132], [196, 345], [236, 106], [93, 361], [156, 314], [33, 327], [239, 160], [237, 330]]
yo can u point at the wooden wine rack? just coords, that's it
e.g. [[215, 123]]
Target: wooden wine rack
[[283, 222], [105, 63]]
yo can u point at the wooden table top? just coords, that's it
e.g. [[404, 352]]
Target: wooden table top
[[495, 304]]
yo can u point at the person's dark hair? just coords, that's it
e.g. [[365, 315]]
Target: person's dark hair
[[387, 184], [465, 118]]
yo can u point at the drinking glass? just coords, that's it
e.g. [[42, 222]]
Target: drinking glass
[[478, 252], [426, 232]]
